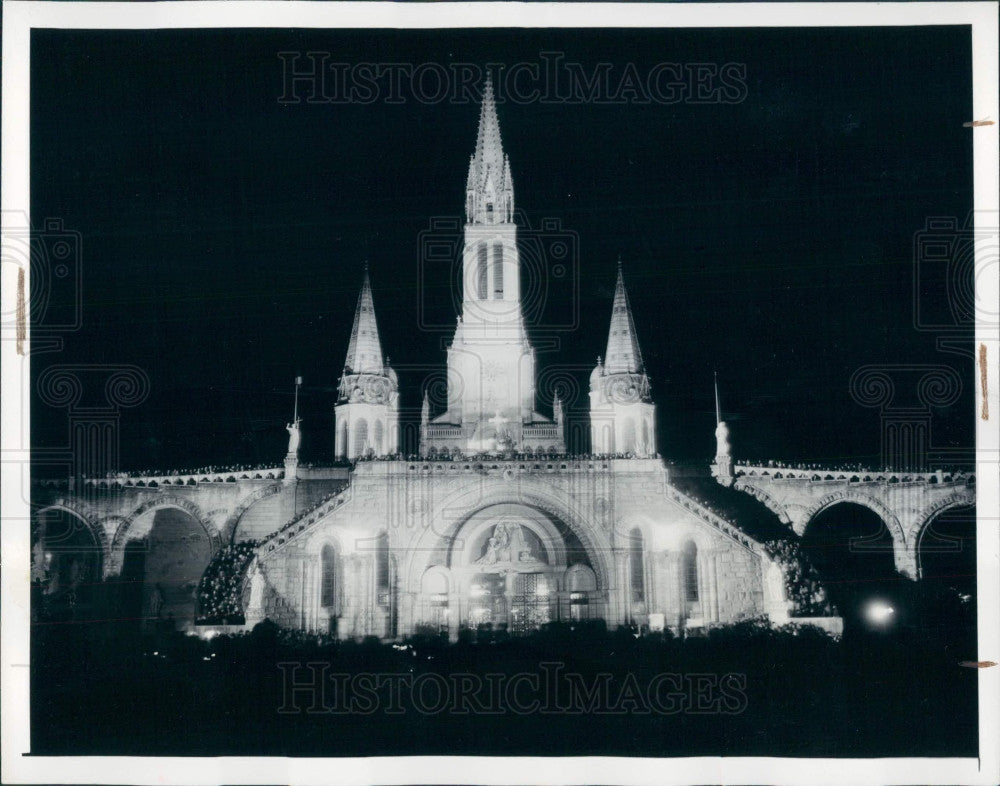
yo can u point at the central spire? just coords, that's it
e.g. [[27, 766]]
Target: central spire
[[623, 355], [489, 192]]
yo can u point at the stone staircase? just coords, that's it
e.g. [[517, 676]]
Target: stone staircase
[[303, 522]]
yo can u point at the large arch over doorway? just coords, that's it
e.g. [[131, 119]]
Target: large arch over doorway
[[508, 564]]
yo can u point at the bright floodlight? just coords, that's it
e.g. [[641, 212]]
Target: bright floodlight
[[879, 612]]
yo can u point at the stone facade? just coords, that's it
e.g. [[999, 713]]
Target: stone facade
[[412, 544]]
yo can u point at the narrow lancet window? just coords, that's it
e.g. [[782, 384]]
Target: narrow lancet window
[[481, 274], [498, 271]]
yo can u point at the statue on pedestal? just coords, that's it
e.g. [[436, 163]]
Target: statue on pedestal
[[721, 440], [294, 432], [294, 437]]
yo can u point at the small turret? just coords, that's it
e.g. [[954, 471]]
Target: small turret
[[367, 409], [622, 414], [722, 467]]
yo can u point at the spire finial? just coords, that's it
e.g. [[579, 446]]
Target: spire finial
[[366, 266], [718, 414], [619, 263]]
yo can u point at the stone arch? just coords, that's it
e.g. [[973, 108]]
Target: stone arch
[[228, 530], [864, 500], [460, 552], [960, 499], [766, 499], [593, 541], [122, 535], [90, 524]]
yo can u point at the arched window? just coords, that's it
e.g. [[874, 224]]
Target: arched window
[[382, 569], [581, 578], [482, 277], [328, 581], [689, 572], [645, 437], [379, 435], [342, 438], [360, 437], [637, 578], [628, 436], [498, 271]]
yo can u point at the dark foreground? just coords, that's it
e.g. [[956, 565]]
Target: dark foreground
[[744, 690]]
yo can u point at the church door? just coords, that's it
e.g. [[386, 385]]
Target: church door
[[530, 604], [489, 600]]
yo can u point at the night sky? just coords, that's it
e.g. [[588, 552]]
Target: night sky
[[224, 232]]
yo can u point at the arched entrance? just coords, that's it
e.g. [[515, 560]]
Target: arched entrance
[[508, 570], [67, 564], [852, 550]]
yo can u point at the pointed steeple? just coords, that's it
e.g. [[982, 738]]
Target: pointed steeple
[[718, 412], [364, 353], [623, 355], [489, 188]]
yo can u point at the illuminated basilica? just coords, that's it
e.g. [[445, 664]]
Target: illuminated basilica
[[488, 526], [494, 523]]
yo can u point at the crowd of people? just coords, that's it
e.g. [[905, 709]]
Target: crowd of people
[[444, 455], [844, 467], [802, 581], [209, 470], [221, 588], [540, 455]]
